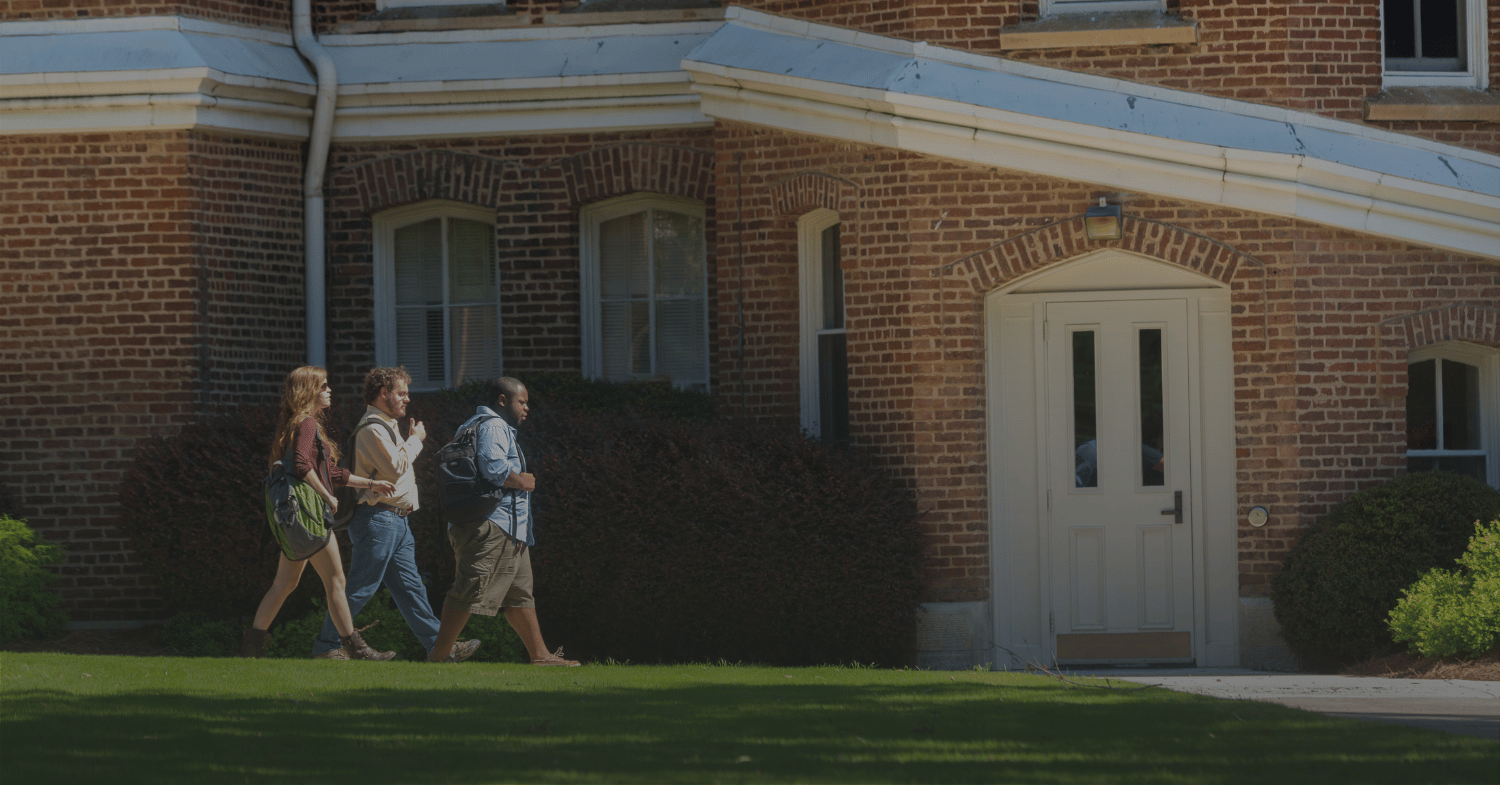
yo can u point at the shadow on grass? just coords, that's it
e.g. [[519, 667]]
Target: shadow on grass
[[926, 732]]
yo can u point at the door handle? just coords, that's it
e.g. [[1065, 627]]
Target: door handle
[[1176, 510]]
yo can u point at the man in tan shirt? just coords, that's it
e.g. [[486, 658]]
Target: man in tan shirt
[[383, 550]]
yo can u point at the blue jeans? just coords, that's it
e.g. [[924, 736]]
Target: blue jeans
[[383, 551]]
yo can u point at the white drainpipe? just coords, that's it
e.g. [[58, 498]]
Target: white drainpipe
[[312, 187]]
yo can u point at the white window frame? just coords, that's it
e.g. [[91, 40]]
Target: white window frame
[[1476, 43], [810, 229], [1488, 362], [386, 223], [591, 320], [1057, 7]]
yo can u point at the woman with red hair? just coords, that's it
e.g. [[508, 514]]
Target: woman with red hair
[[304, 397]]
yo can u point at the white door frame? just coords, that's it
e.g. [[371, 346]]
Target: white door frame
[[1015, 384]]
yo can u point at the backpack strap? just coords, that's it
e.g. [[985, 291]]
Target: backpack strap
[[364, 423]]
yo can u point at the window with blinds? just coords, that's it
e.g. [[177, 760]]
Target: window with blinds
[[645, 286], [825, 341], [1451, 405], [1434, 42], [440, 297]]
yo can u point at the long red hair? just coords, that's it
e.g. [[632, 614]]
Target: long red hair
[[299, 400]]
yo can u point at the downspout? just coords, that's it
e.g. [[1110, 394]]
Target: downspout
[[312, 184]]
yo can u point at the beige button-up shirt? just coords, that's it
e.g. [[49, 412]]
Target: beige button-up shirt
[[379, 457]]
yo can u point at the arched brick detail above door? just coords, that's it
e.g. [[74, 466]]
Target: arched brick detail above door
[[1034, 250], [809, 191], [637, 167], [414, 177], [1400, 335]]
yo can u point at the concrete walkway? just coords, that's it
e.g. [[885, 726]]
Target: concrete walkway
[[1470, 708]]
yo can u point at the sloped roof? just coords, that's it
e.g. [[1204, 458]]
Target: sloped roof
[[853, 86]]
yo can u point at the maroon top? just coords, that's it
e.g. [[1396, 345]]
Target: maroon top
[[309, 452]]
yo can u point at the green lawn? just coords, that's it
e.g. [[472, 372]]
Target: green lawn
[[75, 719]]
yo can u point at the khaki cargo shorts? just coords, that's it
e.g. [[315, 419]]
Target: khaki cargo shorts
[[491, 570]]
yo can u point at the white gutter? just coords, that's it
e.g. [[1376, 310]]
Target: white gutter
[[312, 185]]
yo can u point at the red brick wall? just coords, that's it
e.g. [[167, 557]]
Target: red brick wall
[[1311, 423], [122, 305], [536, 186], [258, 13], [248, 248]]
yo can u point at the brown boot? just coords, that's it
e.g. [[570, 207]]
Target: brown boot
[[359, 650], [254, 646]]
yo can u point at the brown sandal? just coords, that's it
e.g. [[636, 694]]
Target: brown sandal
[[556, 660]]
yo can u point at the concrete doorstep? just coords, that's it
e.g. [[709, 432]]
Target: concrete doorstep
[[1469, 708]]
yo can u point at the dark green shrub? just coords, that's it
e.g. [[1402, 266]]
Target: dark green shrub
[[1451, 612], [294, 639], [662, 535], [1344, 576], [200, 635], [665, 541], [28, 604]]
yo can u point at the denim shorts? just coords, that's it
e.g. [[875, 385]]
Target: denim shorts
[[491, 570]]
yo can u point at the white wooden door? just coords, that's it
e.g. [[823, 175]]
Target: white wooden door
[[1119, 480]]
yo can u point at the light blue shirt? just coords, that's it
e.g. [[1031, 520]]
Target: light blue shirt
[[498, 455]]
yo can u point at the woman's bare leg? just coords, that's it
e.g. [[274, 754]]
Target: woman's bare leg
[[288, 573], [330, 568]]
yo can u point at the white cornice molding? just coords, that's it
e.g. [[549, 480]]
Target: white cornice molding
[[922, 50], [153, 112], [128, 24], [447, 120], [1288, 186], [533, 33]]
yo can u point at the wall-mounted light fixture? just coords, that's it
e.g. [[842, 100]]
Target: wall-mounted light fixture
[[1102, 222]]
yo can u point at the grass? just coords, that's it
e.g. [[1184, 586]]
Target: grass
[[72, 718]]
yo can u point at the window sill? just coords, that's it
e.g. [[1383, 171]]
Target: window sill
[[1433, 103], [634, 17], [1128, 28]]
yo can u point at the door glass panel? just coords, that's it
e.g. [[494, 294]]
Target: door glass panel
[[1421, 406], [1460, 406], [1153, 461], [1085, 412]]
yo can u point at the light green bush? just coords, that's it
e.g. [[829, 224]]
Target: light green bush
[[1450, 612], [28, 605]]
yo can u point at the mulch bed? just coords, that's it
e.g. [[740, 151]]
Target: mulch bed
[[1411, 666]]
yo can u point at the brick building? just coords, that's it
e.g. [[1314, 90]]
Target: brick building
[[1128, 292]]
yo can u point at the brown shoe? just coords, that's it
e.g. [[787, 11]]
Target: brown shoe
[[357, 649], [333, 654], [556, 659], [461, 651], [254, 646]]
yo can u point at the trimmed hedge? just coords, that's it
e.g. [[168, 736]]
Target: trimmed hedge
[[1344, 576], [663, 535]]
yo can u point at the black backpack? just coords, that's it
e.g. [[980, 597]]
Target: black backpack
[[349, 497], [468, 497]]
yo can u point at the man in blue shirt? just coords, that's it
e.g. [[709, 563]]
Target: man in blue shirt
[[493, 557]]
